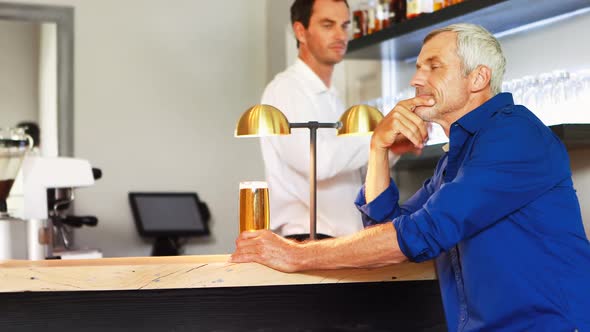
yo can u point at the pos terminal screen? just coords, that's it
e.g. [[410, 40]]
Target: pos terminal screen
[[168, 214]]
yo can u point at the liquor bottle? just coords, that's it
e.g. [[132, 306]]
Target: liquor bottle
[[359, 19], [438, 5], [412, 8], [371, 19], [384, 13], [397, 11]]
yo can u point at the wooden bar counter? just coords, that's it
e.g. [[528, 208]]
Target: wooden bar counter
[[206, 293]]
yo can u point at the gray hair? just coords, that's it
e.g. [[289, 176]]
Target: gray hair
[[477, 46]]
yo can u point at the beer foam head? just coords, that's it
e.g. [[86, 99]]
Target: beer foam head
[[253, 184]]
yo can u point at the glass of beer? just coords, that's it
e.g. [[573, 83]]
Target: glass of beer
[[254, 207]]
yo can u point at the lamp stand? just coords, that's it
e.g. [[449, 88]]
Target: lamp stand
[[313, 128], [267, 120]]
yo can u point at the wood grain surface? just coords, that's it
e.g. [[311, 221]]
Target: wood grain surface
[[181, 272]]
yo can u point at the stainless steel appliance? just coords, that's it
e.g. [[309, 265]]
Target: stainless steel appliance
[[49, 184]]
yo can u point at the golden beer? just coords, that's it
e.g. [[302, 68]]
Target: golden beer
[[254, 208]]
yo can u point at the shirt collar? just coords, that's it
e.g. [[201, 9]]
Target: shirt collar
[[476, 119], [473, 121], [314, 82]]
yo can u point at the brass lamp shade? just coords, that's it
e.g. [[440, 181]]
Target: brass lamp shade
[[262, 120], [359, 120]]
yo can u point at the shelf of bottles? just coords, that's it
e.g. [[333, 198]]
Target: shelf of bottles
[[371, 16], [559, 98], [399, 37]]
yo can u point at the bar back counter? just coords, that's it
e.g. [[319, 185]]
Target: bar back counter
[[206, 293]]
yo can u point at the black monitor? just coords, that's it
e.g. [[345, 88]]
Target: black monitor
[[167, 216]]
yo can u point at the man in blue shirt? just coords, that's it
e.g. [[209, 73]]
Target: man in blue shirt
[[499, 215]]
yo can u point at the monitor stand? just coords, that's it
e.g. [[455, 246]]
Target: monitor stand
[[166, 246]]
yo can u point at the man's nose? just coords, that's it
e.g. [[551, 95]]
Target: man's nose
[[418, 79], [342, 34]]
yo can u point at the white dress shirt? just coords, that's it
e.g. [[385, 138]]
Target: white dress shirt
[[302, 96]]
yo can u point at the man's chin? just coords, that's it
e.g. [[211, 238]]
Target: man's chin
[[336, 60], [425, 113]]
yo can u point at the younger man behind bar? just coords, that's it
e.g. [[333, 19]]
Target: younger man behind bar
[[305, 92], [500, 214]]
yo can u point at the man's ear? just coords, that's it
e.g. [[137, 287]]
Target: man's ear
[[299, 31], [480, 78]]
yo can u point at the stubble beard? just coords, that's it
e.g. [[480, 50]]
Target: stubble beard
[[427, 114]]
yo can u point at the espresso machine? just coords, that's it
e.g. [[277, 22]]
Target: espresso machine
[[48, 190], [49, 184]]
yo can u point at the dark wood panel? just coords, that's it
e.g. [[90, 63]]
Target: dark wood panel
[[427, 159], [572, 135], [385, 306]]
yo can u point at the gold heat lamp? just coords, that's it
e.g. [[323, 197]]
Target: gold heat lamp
[[267, 120]]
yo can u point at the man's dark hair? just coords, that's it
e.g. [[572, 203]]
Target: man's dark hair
[[301, 11]]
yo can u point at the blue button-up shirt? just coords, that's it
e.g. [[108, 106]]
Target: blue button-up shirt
[[501, 218]]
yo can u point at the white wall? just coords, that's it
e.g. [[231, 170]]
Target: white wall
[[19, 47], [159, 88], [278, 20]]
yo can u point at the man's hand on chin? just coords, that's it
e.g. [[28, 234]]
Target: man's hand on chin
[[404, 146]]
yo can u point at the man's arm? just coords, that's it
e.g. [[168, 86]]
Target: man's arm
[[385, 207], [401, 131], [372, 247], [514, 161]]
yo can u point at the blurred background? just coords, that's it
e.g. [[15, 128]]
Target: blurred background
[[159, 85]]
